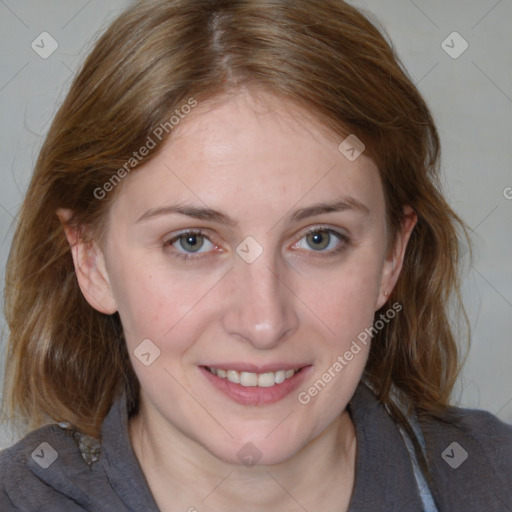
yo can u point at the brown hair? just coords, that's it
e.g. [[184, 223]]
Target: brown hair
[[66, 361]]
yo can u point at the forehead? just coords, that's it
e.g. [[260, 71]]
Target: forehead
[[251, 152]]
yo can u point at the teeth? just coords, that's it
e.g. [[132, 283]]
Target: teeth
[[249, 379], [233, 376], [265, 380], [280, 376]]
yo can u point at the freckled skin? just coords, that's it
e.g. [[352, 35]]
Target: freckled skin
[[258, 160]]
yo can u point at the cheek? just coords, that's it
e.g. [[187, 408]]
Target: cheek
[[345, 305], [344, 299], [158, 303], [141, 300]]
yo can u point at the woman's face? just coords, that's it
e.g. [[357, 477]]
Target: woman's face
[[250, 249]]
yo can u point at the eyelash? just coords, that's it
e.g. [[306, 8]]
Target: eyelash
[[186, 257], [189, 257]]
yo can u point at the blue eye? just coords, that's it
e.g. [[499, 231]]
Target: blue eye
[[190, 242], [322, 240], [191, 245]]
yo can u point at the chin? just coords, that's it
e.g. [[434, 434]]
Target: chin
[[248, 451]]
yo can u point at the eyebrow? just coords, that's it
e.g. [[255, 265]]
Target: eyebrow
[[340, 205]]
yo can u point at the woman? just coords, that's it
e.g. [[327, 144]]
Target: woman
[[228, 289]]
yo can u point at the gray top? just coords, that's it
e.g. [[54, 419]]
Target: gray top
[[469, 454]]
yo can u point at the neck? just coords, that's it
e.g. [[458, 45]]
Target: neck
[[182, 475]]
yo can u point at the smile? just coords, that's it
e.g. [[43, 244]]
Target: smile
[[249, 379], [263, 387]]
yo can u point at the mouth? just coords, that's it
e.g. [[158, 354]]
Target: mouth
[[252, 379], [262, 387]]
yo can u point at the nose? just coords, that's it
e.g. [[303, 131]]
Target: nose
[[261, 308]]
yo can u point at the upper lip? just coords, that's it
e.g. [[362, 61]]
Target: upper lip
[[253, 368]]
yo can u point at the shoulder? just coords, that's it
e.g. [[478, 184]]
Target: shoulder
[[470, 454], [25, 466], [479, 429], [35, 446], [56, 469]]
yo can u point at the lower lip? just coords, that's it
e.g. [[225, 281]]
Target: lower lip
[[255, 395]]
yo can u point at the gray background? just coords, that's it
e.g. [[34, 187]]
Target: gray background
[[471, 98]]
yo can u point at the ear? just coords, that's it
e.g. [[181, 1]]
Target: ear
[[90, 266], [395, 257]]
